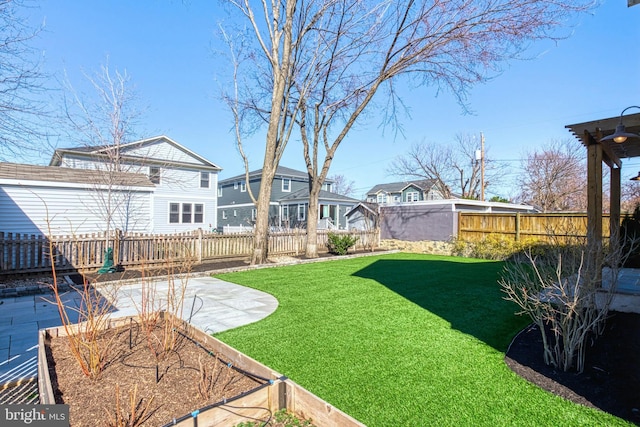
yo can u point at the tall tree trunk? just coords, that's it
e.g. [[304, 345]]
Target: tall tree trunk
[[312, 220], [261, 229]]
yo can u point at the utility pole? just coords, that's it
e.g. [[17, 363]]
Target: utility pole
[[481, 166]]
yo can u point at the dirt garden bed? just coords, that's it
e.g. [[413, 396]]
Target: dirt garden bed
[[200, 376]]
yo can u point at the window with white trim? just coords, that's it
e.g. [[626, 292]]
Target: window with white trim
[[301, 212], [198, 213], [413, 196], [186, 213], [224, 214], [285, 212], [219, 191], [243, 186], [154, 174], [174, 213], [286, 184], [254, 214], [382, 197], [235, 185], [235, 212], [204, 179]]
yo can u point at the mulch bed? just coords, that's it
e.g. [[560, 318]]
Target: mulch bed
[[611, 378], [189, 378]]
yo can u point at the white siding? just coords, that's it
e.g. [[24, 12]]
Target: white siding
[[161, 222], [68, 210], [162, 151]]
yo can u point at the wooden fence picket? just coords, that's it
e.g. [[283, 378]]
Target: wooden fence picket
[[23, 253]]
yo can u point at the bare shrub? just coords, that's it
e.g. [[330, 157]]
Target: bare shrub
[[161, 331], [566, 290], [134, 415], [84, 339], [212, 372]]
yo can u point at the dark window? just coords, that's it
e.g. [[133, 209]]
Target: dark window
[[198, 213], [186, 213], [204, 179], [174, 213], [154, 174]]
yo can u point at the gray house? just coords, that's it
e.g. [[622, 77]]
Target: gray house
[[406, 191], [289, 201]]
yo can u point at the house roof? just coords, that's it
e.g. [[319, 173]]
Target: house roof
[[102, 150], [22, 172], [398, 187], [369, 206], [281, 171], [303, 195]]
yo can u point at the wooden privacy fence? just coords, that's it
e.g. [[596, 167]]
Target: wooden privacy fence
[[22, 253], [545, 227]]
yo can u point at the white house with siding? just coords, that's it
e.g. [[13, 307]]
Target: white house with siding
[[154, 185]]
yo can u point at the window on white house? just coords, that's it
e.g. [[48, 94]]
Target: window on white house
[[396, 198], [286, 184], [224, 214], [198, 213], [174, 213], [382, 197], [204, 179], [301, 212], [154, 174], [186, 213], [412, 196], [243, 186], [327, 186]]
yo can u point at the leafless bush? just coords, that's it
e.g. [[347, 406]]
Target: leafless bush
[[211, 372], [135, 415], [562, 291], [160, 331], [86, 343]]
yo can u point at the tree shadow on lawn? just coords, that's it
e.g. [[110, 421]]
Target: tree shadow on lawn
[[464, 293]]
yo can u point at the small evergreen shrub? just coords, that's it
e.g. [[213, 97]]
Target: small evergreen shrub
[[339, 244]]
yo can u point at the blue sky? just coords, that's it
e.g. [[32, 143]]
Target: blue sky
[[170, 49]]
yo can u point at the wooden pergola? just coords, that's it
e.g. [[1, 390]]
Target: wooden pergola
[[611, 154]]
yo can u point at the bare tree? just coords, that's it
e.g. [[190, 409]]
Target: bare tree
[[553, 177], [265, 95], [328, 59], [630, 196], [21, 82], [456, 169], [103, 122], [342, 185]]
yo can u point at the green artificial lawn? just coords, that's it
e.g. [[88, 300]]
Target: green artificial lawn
[[401, 340]]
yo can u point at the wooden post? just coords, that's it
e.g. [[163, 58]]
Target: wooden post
[[199, 247], [517, 226], [594, 199], [116, 247], [614, 203]]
